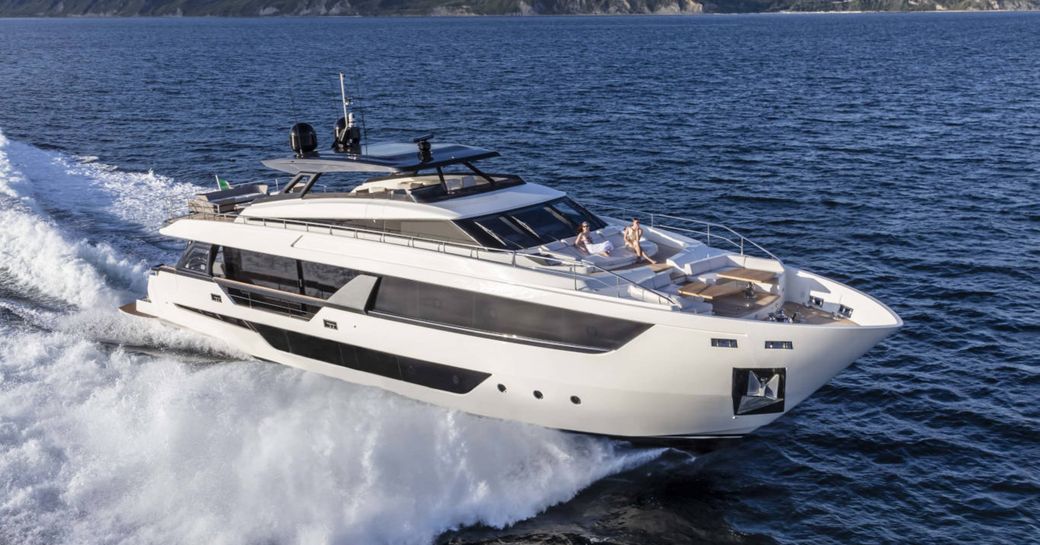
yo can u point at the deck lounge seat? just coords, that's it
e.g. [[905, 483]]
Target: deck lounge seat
[[226, 200], [564, 249], [707, 264]]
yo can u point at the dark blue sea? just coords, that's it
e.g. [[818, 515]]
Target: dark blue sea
[[898, 153]]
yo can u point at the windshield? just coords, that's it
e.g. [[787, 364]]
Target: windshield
[[531, 225], [545, 222], [506, 233]]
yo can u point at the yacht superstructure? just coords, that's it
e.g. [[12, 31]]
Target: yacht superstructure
[[464, 288]]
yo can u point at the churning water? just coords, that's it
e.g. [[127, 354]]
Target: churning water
[[898, 153]]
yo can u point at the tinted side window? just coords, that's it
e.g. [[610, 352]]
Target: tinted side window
[[321, 280], [269, 271], [534, 321], [439, 230], [196, 258], [426, 302], [501, 316]]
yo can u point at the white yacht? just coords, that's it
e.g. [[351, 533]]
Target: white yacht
[[453, 285]]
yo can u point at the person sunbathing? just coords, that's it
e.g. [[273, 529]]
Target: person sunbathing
[[584, 243], [633, 234]]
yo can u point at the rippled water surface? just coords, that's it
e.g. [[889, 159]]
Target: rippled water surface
[[897, 153]]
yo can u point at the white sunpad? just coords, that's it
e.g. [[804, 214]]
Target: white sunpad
[[600, 247]]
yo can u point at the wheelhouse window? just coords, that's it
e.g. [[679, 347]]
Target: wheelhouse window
[[506, 233], [530, 226], [576, 214], [433, 229], [197, 258], [548, 224]]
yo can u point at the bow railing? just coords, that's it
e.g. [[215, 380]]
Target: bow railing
[[705, 231]]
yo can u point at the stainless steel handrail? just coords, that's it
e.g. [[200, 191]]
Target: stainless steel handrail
[[740, 243], [441, 246]]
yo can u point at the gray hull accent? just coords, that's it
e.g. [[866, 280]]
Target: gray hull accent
[[355, 295]]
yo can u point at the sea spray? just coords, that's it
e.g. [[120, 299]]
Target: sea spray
[[88, 187], [39, 257], [111, 446]]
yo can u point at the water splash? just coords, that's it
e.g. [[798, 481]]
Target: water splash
[[38, 257]]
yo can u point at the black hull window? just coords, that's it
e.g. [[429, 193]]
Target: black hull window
[[500, 316], [431, 375]]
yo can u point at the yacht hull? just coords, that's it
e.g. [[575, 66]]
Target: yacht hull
[[667, 385]]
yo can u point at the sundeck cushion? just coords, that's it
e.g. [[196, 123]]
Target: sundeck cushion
[[620, 256], [688, 255], [554, 246], [709, 264], [614, 260]]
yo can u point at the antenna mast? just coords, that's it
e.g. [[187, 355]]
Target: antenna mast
[[346, 102], [347, 135]]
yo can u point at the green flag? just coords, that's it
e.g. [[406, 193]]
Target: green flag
[[222, 184]]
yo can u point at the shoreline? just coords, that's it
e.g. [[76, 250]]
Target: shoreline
[[523, 15]]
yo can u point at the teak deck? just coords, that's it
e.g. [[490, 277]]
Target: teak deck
[[748, 275], [737, 305], [709, 291]]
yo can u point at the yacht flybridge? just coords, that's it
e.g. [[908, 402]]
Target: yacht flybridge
[[450, 284]]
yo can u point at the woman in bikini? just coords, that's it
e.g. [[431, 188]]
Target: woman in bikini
[[584, 243], [633, 233]]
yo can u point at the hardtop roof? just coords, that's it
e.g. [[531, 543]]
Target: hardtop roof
[[391, 157]]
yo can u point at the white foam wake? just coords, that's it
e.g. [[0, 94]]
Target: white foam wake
[[37, 256], [85, 185], [104, 446], [107, 445]]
